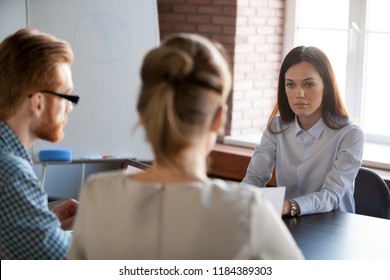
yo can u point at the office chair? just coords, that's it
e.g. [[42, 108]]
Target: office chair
[[372, 197]]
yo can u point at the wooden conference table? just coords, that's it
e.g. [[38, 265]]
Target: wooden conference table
[[337, 236]]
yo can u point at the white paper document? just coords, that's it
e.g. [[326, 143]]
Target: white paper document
[[276, 196]]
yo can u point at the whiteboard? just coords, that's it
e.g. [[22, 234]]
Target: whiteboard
[[109, 40], [12, 17]]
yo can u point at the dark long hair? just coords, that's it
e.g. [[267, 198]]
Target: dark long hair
[[334, 113]]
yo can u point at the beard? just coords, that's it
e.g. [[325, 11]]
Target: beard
[[50, 129]]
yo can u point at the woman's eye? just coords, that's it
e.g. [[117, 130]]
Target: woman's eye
[[309, 85], [290, 85]]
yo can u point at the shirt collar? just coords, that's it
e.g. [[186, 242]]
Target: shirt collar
[[9, 141], [315, 131]]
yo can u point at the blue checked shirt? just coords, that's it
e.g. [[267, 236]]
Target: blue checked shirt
[[28, 229]]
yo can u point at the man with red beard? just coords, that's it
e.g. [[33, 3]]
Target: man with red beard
[[35, 98]]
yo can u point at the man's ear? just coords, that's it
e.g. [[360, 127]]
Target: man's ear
[[218, 123], [37, 104]]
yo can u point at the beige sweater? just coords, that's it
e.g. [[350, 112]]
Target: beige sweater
[[120, 218]]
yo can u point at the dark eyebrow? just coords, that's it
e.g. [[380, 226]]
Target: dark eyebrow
[[305, 80]]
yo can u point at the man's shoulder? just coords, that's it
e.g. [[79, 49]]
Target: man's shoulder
[[13, 166], [9, 159]]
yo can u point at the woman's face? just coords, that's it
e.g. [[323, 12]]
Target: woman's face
[[304, 88]]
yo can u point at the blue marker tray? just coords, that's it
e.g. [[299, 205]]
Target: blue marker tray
[[55, 155]]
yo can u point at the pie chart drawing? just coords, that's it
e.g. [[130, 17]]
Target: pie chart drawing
[[102, 38]]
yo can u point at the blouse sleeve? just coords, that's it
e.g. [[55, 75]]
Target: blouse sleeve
[[340, 180], [259, 170]]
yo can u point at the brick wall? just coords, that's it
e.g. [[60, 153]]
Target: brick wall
[[215, 19], [257, 58], [251, 31]]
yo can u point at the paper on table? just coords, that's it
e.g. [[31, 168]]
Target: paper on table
[[275, 196], [133, 166], [131, 170]]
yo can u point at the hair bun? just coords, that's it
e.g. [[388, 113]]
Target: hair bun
[[173, 81], [178, 65], [167, 64]]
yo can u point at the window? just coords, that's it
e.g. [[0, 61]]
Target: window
[[355, 34], [375, 94], [356, 37]]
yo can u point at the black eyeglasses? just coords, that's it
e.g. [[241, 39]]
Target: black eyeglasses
[[72, 98]]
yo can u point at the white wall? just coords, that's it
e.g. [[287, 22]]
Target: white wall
[[12, 16], [61, 180]]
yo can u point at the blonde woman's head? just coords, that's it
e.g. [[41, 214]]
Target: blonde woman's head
[[185, 81]]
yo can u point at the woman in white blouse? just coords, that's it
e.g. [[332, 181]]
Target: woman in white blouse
[[173, 210], [310, 141]]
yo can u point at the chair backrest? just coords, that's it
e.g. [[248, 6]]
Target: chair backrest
[[372, 197]]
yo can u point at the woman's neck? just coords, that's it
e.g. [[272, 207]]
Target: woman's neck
[[307, 122], [190, 165]]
